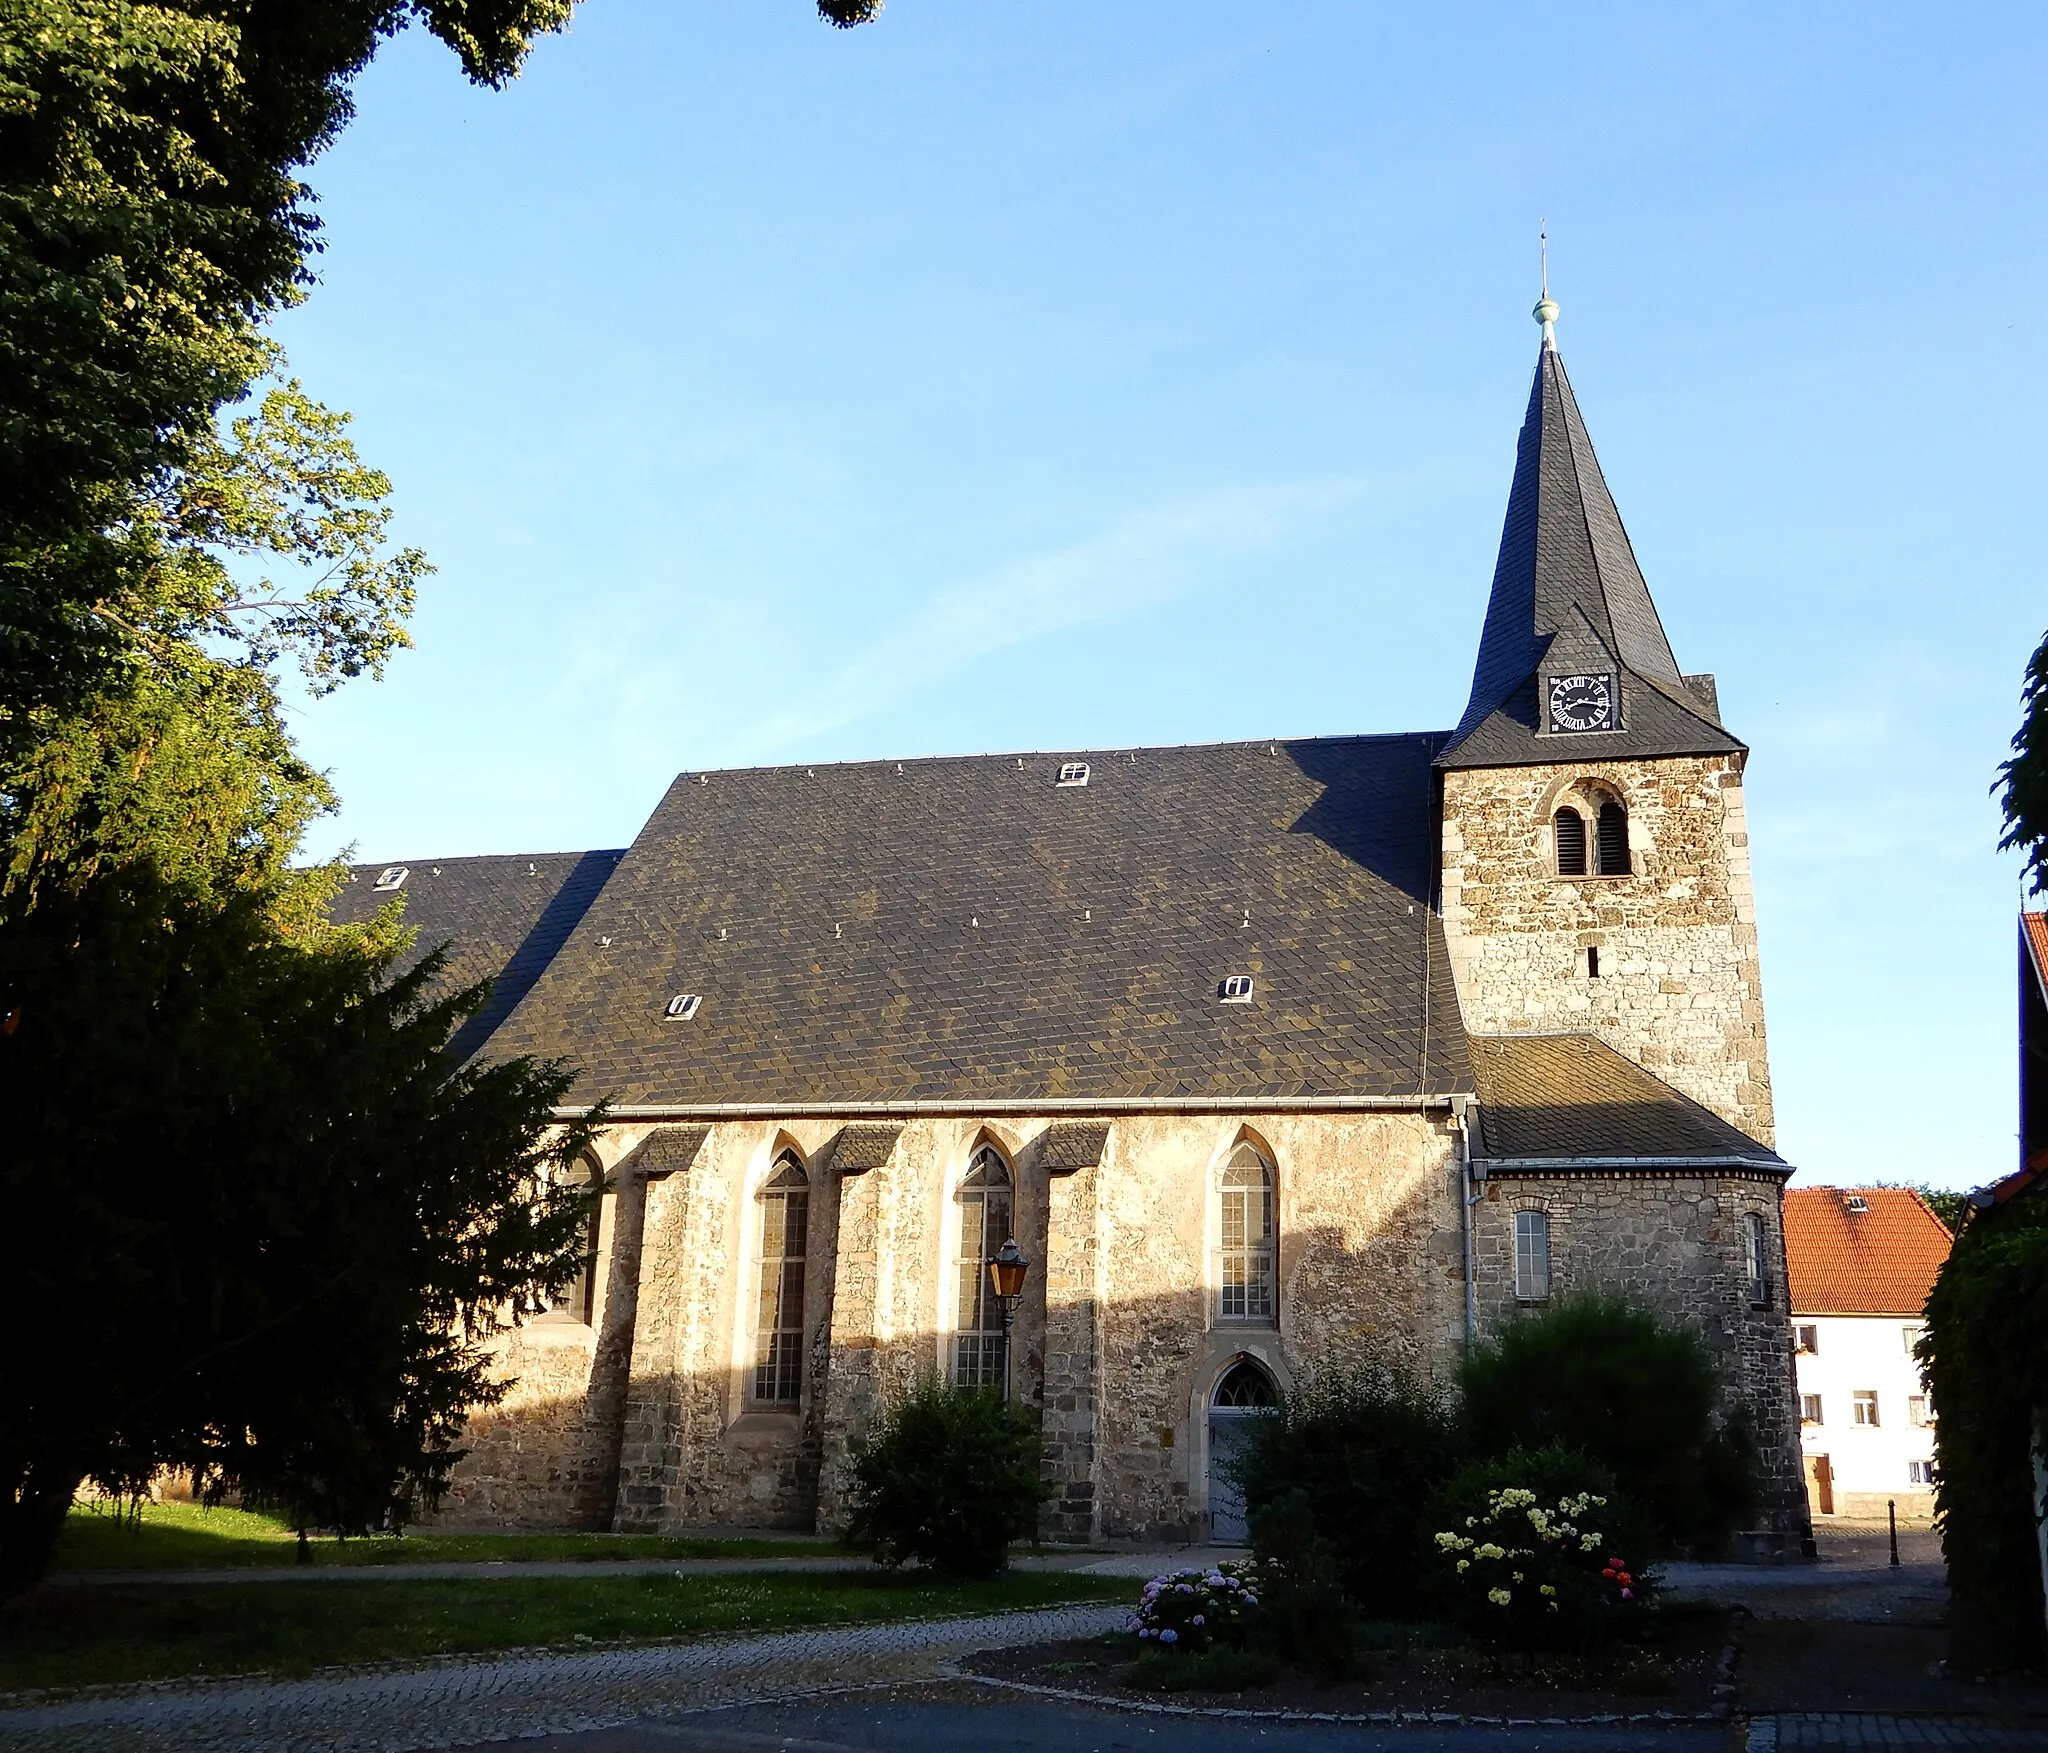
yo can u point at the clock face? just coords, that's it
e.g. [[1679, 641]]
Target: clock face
[[1582, 702]]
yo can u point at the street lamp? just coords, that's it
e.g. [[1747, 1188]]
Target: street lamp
[[1007, 1270]]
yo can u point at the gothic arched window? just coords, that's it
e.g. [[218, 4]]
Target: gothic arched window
[[1611, 837], [1245, 1386], [986, 1222], [1570, 829], [1245, 1238], [779, 1306]]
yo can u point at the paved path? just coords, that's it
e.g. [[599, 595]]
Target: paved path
[[1783, 1734], [461, 1702]]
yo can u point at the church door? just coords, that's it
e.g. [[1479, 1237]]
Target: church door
[[1246, 1392]]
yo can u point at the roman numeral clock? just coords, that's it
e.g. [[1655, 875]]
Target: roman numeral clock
[[1580, 703]]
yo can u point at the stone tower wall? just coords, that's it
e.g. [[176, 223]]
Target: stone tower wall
[[1679, 989], [1672, 1242]]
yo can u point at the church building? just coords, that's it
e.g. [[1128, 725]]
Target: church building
[[1269, 1055]]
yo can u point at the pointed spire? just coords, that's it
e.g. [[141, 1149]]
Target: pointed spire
[[1567, 587], [1546, 306]]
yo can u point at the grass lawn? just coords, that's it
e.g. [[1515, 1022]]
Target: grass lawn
[[114, 1632], [185, 1536]]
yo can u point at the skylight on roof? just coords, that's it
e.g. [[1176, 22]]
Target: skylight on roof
[[1855, 1202], [684, 1006], [392, 876], [1236, 989], [1073, 773]]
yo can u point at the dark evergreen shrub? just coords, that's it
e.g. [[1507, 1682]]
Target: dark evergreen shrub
[[1986, 1356], [1632, 1391], [949, 1477], [1365, 1451], [1306, 1613]]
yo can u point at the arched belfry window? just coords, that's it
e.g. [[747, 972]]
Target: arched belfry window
[[785, 1203], [1570, 828], [1611, 837], [986, 1200], [1245, 1238]]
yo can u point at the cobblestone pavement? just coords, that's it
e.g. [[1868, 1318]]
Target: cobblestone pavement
[[458, 1703], [1782, 1734]]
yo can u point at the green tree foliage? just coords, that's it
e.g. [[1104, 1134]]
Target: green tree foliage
[[2024, 778], [1985, 1352], [1636, 1393], [949, 1477], [1364, 1449]]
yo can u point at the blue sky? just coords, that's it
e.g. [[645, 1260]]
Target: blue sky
[[1061, 375]]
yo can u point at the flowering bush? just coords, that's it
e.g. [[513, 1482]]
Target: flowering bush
[[1530, 1570], [1192, 1609]]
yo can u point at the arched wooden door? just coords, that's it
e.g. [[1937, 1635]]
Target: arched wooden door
[[1244, 1392]]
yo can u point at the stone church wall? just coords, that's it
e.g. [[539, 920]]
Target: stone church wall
[[1672, 1241], [642, 1422], [1679, 989]]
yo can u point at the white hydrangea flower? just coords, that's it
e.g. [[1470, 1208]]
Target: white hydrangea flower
[[1499, 1597]]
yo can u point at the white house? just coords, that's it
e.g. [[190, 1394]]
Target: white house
[[1861, 1261]]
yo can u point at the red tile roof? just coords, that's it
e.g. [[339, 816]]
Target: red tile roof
[[2034, 927], [1880, 1261]]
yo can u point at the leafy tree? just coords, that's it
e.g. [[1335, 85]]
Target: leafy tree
[[1361, 1450], [1985, 1351], [947, 1476], [2025, 776], [1632, 1391]]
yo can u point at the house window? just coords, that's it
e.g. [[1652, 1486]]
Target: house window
[[779, 1307], [572, 1302], [1570, 829], [1245, 1235], [1866, 1406], [1532, 1256], [1806, 1340], [1920, 1473], [985, 1199], [1755, 1262], [1610, 835], [1809, 1409], [1911, 1335], [1918, 1414]]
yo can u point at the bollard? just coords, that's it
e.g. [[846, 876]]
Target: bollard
[[1891, 1511]]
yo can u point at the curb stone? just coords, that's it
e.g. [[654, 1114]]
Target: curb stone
[[1412, 1719]]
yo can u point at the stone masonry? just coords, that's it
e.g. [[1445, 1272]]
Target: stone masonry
[[1674, 1242], [1679, 989]]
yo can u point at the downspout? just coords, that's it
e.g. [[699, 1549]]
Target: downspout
[[1470, 1190]]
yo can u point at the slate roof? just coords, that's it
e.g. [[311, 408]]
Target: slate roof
[[1566, 584], [967, 929], [1882, 1261], [1575, 1097], [500, 918]]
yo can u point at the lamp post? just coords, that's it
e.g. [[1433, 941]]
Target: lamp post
[[1007, 1270]]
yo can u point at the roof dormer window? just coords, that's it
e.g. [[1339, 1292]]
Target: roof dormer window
[[390, 878], [1073, 773]]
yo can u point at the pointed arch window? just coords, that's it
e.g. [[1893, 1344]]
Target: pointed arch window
[[1245, 1387], [1611, 839], [785, 1203], [987, 1207], [1246, 1267], [1570, 828]]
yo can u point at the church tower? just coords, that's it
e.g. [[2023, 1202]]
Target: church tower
[[1595, 853]]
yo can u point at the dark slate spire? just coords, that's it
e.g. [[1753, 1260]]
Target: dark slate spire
[[1569, 596]]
